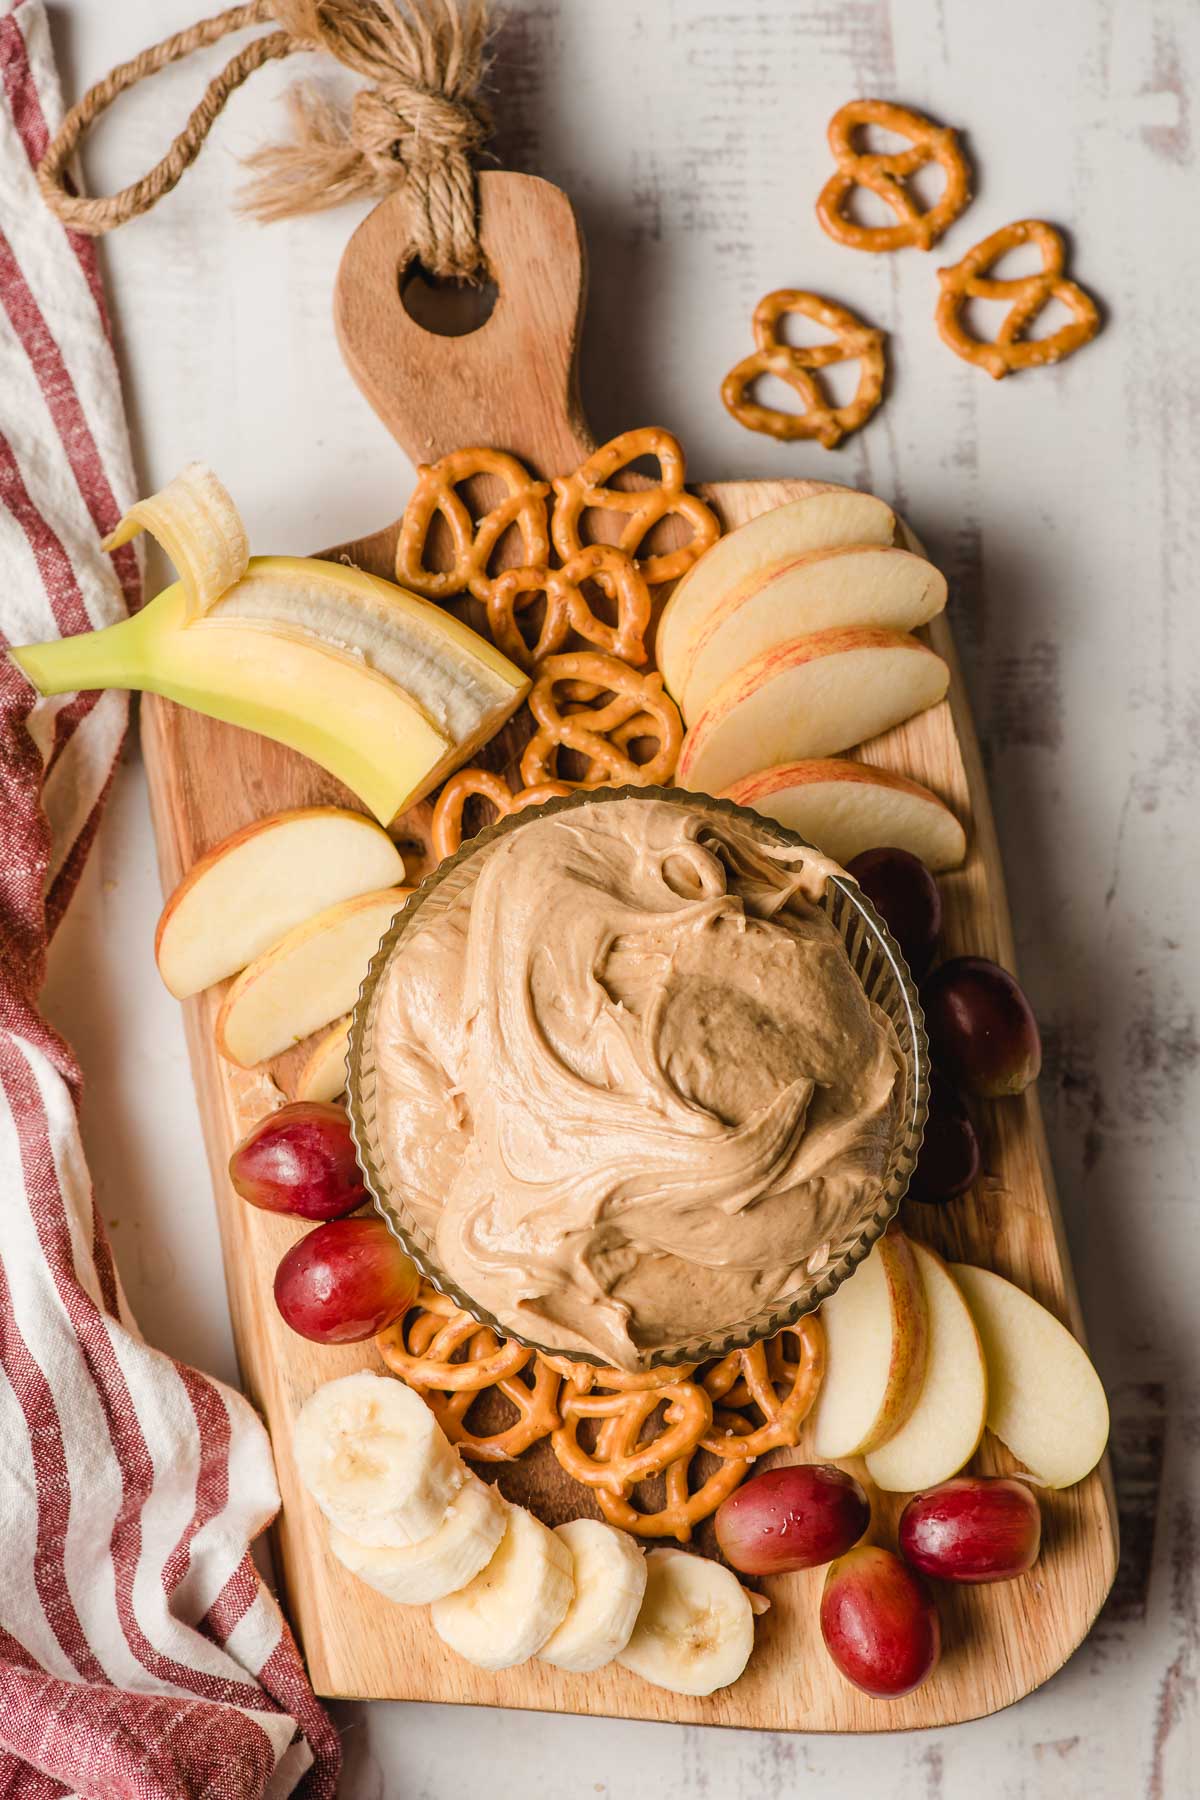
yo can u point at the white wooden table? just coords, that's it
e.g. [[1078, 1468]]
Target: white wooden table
[[1062, 503]]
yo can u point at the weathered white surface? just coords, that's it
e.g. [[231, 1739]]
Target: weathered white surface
[[1063, 505]]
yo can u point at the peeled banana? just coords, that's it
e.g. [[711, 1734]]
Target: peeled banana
[[507, 1613], [610, 1580], [695, 1630], [375, 1460], [383, 689], [414, 1574]]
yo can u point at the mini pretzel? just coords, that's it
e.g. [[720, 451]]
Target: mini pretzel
[[523, 505], [644, 507], [436, 1367], [567, 608], [582, 1378], [536, 1406], [886, 173], [851, 341], [968, 280], [682, 1509], [586, 675], [783, 1418], [620, 1460], [467, 784]]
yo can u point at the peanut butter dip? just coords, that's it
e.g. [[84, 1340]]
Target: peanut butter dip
[[628, 1081]]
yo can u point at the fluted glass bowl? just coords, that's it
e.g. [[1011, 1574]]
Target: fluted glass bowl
[[875, 959]]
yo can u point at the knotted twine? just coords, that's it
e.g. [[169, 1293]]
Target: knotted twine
[[414, 128]]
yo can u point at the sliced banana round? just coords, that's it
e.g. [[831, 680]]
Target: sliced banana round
[[375, 1460], [415, 1574], [506, 1614], [610, 1580], [695, 1630]]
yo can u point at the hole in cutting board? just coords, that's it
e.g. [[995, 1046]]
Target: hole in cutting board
[[443, 307]]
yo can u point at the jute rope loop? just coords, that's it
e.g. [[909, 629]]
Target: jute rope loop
[[415, 126]]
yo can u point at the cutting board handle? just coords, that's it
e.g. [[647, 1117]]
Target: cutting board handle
[[512, 383]]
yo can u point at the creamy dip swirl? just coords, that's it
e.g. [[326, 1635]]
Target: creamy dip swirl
[[628, 1081]]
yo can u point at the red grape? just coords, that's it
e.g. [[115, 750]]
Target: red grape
[[906, 897], [300, 1160], [981, 1027], [879, 1622], [949, 1159], [973, 1528], [345, 1281], [791, 1518]]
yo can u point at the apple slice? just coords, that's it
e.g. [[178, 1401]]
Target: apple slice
[[876, 1339], [846, 807], [1045, 1400], [306, 980], [323, 1073], [258, 884], [855, 584], [820, 520], [811, 697], [942, 1432]]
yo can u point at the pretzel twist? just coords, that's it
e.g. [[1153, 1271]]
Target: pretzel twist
[[620, 1460], [1011, 349], [584, 676], [885, 174], [568, 608], [468, 784], [642, 508], [683, 1509], [424, 1348], [473, 540], [796, 365], [783, 1417]]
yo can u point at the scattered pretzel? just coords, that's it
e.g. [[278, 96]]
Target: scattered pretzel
[[568, 609], [536, 1403], [600, 734], [621, 1459], [886, 173], [423, 1349], [470, 784], [473, 541], [652, 1423], [643, 507], [795, 364], [783, 1416], [683, 1509], [968, 280]]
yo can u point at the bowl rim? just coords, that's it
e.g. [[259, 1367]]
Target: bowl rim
[[773, 1317]]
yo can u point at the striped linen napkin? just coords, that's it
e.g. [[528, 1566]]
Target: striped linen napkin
[[140, 1654]]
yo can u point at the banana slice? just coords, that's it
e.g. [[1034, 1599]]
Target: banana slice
[[375, 1460], [695, 1631], [506, 1614], [415, 1574], [610, 1580]]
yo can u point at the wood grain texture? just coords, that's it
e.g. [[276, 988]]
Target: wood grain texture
[[511, 384]]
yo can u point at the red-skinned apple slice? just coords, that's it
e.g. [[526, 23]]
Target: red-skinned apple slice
[[809, 698], [311, 977], [854, 584], [820, 520], [847, 807], [263, 881], [876, 1334], [942, 1432]]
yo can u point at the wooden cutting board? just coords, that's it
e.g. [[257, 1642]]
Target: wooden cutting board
[[512, 384]]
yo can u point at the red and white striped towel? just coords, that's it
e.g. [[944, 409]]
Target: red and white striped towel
[[139, 1652]]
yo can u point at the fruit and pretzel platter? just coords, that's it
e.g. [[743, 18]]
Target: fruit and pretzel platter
[[637, 1391]]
